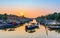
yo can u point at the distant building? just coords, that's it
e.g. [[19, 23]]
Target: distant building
[[13, 17]]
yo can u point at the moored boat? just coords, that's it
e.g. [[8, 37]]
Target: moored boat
[[54, 27], [31, 27]]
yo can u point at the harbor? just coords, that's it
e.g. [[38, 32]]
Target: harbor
[[29, 18], [41, 32]]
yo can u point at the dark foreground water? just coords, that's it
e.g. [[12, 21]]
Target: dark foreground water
[[20, 32]]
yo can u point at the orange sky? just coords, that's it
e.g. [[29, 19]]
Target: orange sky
[[30, 8], [27, 13]]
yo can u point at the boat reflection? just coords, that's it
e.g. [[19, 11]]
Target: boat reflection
[[11, 29], [31, 31], [31, 28], [56, 30]]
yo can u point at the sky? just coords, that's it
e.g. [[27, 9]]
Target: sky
[[30, 8]]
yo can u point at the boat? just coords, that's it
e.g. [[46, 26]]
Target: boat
[[54, 27], [6, 25], [31, 27]]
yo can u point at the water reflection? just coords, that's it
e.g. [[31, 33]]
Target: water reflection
[[20, 32], [31, 27], [46, 28], [31, 31], [56, 30]]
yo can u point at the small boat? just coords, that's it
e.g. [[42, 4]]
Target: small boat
[[31, 27], [2, 26], [6, 25], [54, 27]]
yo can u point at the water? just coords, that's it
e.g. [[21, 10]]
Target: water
[[19, 32]]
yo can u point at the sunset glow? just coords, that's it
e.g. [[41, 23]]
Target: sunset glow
[[22, 13], [29, 18], [31, 8]]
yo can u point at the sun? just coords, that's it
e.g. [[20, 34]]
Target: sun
[[21, 13]]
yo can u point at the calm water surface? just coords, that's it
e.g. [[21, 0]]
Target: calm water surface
[[20, 32]]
